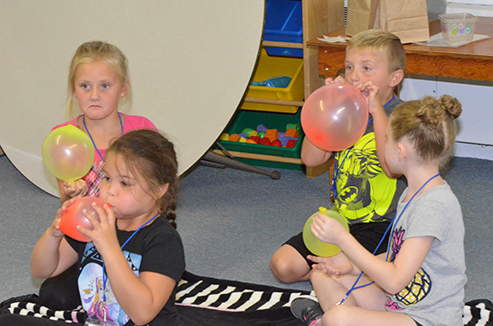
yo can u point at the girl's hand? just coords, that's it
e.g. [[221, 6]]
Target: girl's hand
[[370, 91], [104, 234], [75, 188], [54, 228], [336, 265], [327, 229]]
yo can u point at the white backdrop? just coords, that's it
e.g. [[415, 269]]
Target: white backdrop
[[190, 63]]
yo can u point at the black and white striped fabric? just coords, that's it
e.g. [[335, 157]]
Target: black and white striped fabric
[[231, 295], [225, 295], [37, 310], [478, 313]]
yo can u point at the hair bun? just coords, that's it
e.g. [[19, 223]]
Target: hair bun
[[429, 111], [433, 110], [451, 106]]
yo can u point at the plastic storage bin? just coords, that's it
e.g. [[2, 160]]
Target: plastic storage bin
[[457, 27], [279, 121], [284, 23], [273, 66]]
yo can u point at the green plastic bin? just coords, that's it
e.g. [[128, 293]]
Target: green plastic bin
[[279, 121]]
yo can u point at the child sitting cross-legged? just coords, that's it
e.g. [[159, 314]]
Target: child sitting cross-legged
[[420, 279]]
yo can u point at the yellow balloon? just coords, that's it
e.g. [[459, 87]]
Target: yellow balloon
[[68, 153], [317, 247]]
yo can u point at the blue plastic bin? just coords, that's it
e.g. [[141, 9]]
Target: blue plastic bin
[[284, 23]]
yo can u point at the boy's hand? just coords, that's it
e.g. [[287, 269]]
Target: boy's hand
[[370, 91], [336, 265], [75, 188], [104, 234]]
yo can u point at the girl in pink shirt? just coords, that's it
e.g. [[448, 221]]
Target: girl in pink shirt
[[99, 87]]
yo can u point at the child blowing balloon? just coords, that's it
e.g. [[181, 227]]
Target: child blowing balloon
[[420, 279], [98, 86], [130, 268], [363, 189]]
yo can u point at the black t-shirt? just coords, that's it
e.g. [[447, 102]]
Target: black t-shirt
[[155, 248]]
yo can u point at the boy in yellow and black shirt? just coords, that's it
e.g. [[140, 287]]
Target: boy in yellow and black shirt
[[364, 190]]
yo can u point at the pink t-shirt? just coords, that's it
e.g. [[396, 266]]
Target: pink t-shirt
[[130, 122], [94, 176]]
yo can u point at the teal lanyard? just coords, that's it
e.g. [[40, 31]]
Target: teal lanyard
[[95, 147]]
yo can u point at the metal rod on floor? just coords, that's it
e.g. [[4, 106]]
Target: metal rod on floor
[[216, 158]]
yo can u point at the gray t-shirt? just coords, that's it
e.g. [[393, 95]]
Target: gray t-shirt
[[435, 296]]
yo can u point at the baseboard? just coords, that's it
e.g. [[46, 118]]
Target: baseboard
[[473, 150]]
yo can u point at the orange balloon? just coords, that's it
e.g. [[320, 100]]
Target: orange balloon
[[335, 116], [73, 217]]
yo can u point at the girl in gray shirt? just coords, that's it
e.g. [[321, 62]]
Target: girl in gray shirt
[[420, 279]]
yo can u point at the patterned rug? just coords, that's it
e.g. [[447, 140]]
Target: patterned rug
[[209, 301]]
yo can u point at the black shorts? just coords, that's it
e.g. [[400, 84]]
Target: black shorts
[[368, 234]]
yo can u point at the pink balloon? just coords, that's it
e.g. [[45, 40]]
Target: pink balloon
[[335, 116], [73, 217]]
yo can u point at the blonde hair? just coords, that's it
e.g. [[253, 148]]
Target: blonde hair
[[111, 56], [429, 124], [382, 41]]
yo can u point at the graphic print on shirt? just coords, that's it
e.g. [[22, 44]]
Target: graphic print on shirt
[[417, 289], [362, 184], [92, 289]]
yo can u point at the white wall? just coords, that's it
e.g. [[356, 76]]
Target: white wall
[[475, 131], [475, 136], [190, 64], [476, 7]]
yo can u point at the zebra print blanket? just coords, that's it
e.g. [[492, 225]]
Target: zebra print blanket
[[226, 302]]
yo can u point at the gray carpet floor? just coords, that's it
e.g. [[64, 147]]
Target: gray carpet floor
[[231, 222]]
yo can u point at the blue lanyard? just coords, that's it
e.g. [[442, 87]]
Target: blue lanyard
[[336, 172], [95, 147], [105, 277], [333, 187], [392, 225]]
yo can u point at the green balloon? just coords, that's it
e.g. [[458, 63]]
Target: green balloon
[[317, 247], [68, 153]]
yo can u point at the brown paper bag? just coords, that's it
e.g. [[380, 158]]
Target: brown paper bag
[[408, 19], [361, 16]]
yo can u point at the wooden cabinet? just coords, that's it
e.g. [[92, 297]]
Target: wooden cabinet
[[319, 17]]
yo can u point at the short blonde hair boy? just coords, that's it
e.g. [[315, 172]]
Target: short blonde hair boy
[[382, 41]]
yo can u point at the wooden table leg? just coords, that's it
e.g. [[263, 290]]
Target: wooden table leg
[[312, 172]]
